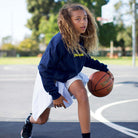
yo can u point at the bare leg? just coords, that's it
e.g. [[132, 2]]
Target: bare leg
[[78, 90], [42, 119]]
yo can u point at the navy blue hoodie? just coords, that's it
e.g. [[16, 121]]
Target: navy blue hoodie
[[58, 64]]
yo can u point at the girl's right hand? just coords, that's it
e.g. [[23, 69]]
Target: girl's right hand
[[59, 102], [111, 75]]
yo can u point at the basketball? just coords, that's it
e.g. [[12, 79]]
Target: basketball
[[100, 84]]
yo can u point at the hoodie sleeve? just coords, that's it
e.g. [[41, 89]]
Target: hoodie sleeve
[[95, 64], [47, 68]]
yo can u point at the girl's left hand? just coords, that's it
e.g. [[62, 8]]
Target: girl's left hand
[[59, 102], [111, 75]]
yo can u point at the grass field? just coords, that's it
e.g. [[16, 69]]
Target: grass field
[[35, 60], [118, 61]]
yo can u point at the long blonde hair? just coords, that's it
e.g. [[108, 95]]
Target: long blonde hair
[[69, 34]]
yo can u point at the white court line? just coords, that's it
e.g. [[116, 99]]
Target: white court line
[[16, 75], [16, 79], [98, 116], [16, 67]]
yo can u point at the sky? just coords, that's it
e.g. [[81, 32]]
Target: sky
[[13, 17]]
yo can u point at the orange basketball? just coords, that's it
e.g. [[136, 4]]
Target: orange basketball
[[100, 84]]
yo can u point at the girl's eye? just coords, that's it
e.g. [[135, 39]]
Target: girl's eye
[[85, 18], [78, 19]]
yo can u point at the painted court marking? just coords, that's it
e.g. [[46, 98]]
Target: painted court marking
[[98, 116]]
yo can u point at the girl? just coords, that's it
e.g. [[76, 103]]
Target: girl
[[59, 75]]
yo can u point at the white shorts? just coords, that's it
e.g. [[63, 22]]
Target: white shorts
[[80, 76], [42, 99]]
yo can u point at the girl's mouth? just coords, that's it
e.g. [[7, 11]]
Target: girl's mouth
[[83, 27]]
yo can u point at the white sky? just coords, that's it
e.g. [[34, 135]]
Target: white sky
[[13, 17]]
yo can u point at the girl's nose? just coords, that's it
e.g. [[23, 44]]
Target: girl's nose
[[83, 21]]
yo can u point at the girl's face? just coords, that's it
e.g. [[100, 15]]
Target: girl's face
[[79, 20]]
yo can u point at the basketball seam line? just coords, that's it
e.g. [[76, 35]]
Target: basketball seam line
[[100, 80], [104, 87]]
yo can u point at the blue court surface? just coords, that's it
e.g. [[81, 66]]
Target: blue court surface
[[113, 116]]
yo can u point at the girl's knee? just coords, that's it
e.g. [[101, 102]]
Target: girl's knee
[[82, 96], [44, 117], [41, 121]]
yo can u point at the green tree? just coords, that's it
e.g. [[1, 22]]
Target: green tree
[[124, 37], [121, 14], [48, 27], [107, 32], [124, 32], [8, 46], [28, 47], [7, 39], [38, 9]]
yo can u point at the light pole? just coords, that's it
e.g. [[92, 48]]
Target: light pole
[[134, 34]]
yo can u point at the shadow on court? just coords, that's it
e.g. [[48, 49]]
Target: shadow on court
[[63, 130], [135, 83]]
